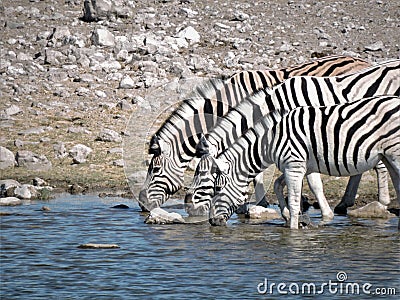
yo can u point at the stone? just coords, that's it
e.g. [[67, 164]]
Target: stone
[[25, 191], [12, 110], [103, 37], [7, 158], [10, 201], [260, 212], [137, 177], [60, 33], [32, 161], [124, 105], [54, 57], [375, 46], [240, 16], [59, 150], [80, 130], [98, 246], [119, 163], [109, 135], [121, 206], [24, 57], [372, 210], [190, 34], [7, 187], [141, 102], [115, 150], [35, 130], [79, 153], [126, 83], [38, 182], [161, 216]]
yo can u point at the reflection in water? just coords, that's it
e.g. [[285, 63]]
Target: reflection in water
[[40, 258]]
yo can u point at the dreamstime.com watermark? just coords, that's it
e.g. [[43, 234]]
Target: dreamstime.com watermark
[[340, 286]]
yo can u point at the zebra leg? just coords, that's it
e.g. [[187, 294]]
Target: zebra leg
[[393, 166], [349, 195], [315, 184], [260, 190], [279, 185], [294, 178], [383, 187]]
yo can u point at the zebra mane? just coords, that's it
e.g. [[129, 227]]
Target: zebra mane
[[203, 92]]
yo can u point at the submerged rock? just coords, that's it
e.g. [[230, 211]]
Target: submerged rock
[[98, 246], [371, 210], [260, 212], [161, 216]]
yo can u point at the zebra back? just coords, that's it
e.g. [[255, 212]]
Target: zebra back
[[381, 79]]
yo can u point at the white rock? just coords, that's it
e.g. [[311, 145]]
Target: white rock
[[79, 153], [102, 37], [7, 158], [161, 216], [375, 46], [190, 34], [25, 191], [32, 161], [109, 135], [126, 83], [260, 212], [10, 201], [12, 110], [60, 33], [372, 210]]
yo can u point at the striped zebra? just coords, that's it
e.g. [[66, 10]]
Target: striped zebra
[[381, 79], [338, 140], [173, 145]]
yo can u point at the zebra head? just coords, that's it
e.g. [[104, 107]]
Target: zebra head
[[164, 177], [202, 189]]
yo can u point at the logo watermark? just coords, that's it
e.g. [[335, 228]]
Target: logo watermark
[[340, 286]]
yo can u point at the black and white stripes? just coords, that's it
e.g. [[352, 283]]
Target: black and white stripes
[[295, 92], [174, 143], [340, 140]]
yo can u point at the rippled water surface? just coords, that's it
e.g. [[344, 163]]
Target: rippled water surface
[[40, 258]]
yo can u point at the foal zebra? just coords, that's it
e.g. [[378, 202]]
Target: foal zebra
[[381, 79], [173, 145], [339, 140]]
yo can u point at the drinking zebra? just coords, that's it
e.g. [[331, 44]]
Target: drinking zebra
[[173, 145], [381, 79], [338, 140]]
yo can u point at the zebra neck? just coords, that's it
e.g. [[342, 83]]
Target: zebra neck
[[251, 154]]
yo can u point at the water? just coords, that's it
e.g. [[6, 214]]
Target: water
[[40, 258]]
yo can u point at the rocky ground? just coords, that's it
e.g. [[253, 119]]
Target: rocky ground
[[70, 82]]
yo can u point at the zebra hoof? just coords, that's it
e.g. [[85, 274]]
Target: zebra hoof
[[341, 210], [218, 221]]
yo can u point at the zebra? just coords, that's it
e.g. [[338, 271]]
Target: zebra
[[338, 140], [297, 91], [173, 145]]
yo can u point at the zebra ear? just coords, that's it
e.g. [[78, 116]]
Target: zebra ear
[[222, 165], [202, 148], [155, 147]]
